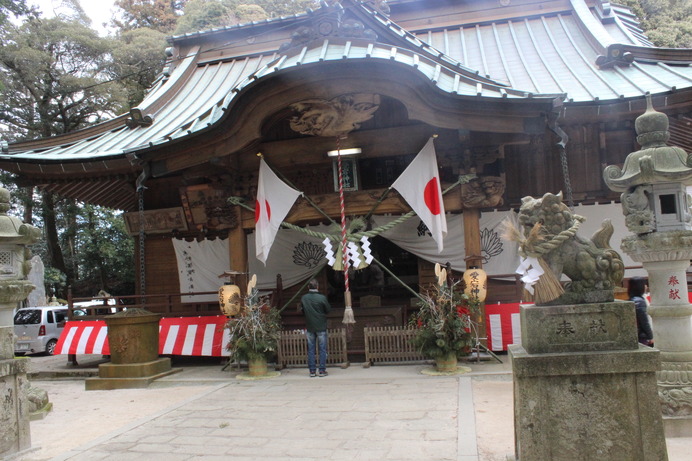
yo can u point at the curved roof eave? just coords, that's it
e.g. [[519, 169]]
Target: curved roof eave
[[443, 79], [237, 27], [182, 67], [172, 128]]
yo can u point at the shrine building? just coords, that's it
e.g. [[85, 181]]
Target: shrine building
[[520, 97]]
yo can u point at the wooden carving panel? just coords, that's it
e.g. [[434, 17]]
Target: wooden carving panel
[[156, 221], [357, 203], [206, 206]]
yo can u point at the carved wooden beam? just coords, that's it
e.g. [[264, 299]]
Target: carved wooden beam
[[357, 204]]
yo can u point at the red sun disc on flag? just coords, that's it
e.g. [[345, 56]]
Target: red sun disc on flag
[[431, 196], [258, 211]]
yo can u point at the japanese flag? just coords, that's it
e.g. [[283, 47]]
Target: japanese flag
[[419, 185], [274, 200]]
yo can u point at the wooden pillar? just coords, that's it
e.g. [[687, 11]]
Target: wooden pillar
[[237, 246], [472, 237], [472, 244]]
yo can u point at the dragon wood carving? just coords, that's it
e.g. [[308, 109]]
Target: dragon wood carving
[[334, 117]]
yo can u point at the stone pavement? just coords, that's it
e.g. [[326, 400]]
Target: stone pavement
[[379, 413]]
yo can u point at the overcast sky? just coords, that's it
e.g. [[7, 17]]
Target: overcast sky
[[100, 11]]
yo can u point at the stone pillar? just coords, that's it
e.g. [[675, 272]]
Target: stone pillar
[[666, 257], [584, 389], [15, 435], [657, 211]]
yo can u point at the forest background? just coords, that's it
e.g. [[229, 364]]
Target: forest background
[[58, 74]]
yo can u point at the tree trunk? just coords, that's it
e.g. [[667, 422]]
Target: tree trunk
[[29, 206], [70, 235], [97, 259], [55, 255]]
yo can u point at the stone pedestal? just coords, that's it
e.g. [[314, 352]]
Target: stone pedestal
[[666, 257], [584, 389], [6, 342], [15, 431], [133, 337], [15, 435]]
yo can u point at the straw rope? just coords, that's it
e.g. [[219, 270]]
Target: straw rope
[[548, 287], [355, 236], [542, 248]]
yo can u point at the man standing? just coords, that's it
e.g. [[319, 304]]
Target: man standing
[[315, 308]]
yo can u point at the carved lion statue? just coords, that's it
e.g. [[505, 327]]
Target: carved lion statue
[[592, 266]]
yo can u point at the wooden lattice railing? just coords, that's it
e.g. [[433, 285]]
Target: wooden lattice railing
[[390, 345], [293, 347]]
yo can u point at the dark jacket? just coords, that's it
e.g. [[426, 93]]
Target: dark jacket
[[643, 325], [315, 308]]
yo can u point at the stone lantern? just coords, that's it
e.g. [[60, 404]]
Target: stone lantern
[[656, 207], [14, 266]]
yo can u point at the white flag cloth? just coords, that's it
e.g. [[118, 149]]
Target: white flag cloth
[[419, 185], [274, 200]]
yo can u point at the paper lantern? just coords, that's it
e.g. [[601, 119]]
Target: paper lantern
[[230, 300], [475, 281]]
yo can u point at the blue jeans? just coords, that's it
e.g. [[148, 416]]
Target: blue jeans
[[321, 337]]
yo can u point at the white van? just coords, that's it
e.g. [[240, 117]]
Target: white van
[[37, 329]]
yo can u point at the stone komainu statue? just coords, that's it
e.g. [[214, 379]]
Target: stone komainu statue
[[592, 266]]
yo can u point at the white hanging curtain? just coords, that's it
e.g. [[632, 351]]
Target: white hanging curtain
[[595, 215], [499, 256], [199, 267], [295, 255]]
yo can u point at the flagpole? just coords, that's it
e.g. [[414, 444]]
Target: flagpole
[[349, 318]]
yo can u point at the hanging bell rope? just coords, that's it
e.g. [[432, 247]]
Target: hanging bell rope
[[346, 237], [348, 310]]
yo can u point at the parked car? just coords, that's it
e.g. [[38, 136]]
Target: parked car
[[94, 307], [38, 328]]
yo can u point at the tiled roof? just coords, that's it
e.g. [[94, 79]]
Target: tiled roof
[[541, 55], [203, 93], [551, 54], [622, 25]]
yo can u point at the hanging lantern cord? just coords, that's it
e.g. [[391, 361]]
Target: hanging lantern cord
[[142, 238], [564, 139]]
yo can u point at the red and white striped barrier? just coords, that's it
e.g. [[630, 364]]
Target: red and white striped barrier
[[207, 336], [84, 337], [197, 336], [502, 325]]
